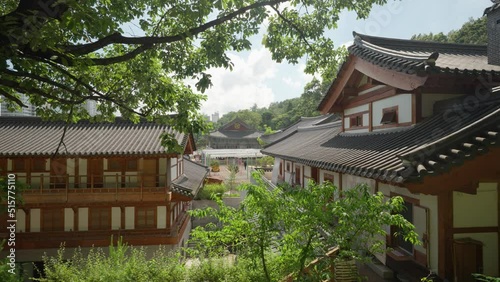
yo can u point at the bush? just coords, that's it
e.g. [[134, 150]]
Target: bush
[[211, 190], [122, 264]]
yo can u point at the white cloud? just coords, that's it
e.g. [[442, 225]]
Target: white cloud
[[243, 87]]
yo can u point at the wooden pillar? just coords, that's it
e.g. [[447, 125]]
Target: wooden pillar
[[445, 235], [122, 224], [169, 214], [75, 218], [370, 117]]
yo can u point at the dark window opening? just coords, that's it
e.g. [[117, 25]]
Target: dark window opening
[[18, 165], [38, 165], [356, 121], [390, 116]]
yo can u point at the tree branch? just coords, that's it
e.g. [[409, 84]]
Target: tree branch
[[13, 99], [42, 79], [117, 38], [301, 33], [32, 90]]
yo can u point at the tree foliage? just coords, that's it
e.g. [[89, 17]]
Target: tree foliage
[[133, 56], [282, 230], [471, 32]]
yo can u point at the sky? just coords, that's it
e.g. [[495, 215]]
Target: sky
[[257, 79]]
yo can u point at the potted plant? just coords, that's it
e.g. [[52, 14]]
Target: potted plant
[[214, 165], [358, 229]]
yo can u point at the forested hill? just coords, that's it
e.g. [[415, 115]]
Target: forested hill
[[281, 114], [471, 32]]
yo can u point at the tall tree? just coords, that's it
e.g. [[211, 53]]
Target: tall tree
[[471, 32], [63, 52]]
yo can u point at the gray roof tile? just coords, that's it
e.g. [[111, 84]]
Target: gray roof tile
[[404, 154], [191, 180], [30, 136]]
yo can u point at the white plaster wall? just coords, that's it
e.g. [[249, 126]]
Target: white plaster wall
[[350, 181], [478, 210], [276, 170], [307, 171], [116, 218], [35, 220], [129, 217], [69, 219], [83, 219], [358, 130], [357, 109], [366, 119], [173, 168], [161, 217], [490, 250], [428, 101], [21, 221], [404, 103], [9, 164], [70, 167], [431, 202], [82, 170], [105, 164], [347, 122]]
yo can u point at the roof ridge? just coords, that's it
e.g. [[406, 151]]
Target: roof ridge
[[378, 40], [332, 124]]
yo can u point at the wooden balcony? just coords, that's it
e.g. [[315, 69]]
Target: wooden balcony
[[95, 188], [102, 238]]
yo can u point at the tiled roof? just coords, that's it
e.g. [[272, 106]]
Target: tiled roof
[[495, 6], [457, 131], [235, 134], [303, 122], [418, 57], [191, 180], [30, 136]]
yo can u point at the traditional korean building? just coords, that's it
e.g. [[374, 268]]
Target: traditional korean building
[[108, 179], [234, 135], [419, 120]]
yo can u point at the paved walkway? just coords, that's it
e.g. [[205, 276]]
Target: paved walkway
[[243, 176]]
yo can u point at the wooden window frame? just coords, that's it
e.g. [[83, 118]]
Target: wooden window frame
[[288, 167], [146, 225], [356, 121], [50, 212], [328, 177], [390, 116], [394, 240], [124, 164], [101, 225]]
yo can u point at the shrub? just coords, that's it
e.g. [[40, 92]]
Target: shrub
[[211, 190]]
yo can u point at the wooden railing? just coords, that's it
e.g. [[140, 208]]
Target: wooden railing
[[318, 267], [47, 181]]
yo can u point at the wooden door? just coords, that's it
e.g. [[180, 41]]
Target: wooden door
[[95, 173], [58, 173], [149, 173]]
